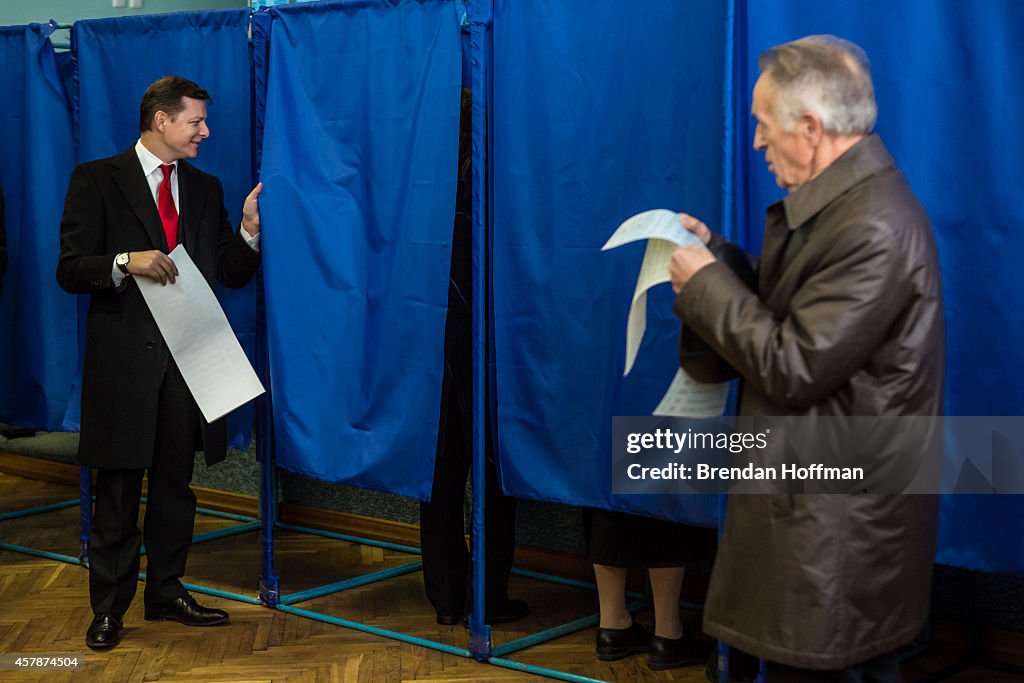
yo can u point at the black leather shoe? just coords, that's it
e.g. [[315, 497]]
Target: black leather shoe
[[186, 611], [503, 612], [670, 653], [448, 619], [104, 632], [616, 643]]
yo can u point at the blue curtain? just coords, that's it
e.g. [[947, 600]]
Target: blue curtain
[[360, 148], [115, 59], [951, 119], [602, 109], [37, 320]]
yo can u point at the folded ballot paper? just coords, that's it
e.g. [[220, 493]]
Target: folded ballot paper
[[663, 232]]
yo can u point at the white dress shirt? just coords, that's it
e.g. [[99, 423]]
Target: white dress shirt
[[154, 176]]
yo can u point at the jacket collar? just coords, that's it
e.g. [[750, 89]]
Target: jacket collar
[[190, 201], [129, 175], [149, 161], [866, 158]]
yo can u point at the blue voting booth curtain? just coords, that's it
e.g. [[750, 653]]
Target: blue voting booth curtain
[[601, 109], [37, 320], [359, 160], [946, 110], [116, 59]]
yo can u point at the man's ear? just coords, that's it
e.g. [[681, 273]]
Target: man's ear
[[160, 121], [811, 128]]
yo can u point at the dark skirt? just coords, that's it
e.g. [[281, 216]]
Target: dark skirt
[[618, 539]]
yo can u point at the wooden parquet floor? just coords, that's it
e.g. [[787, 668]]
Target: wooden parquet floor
[[44, 609]]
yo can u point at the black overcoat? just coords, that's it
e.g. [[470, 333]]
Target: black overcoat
[[110, 209]]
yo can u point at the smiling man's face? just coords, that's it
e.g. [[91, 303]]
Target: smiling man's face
[[185, 131]]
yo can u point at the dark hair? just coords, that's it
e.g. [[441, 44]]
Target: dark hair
[[165, 95]]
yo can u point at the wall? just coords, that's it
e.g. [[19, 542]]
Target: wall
[[18, 12]]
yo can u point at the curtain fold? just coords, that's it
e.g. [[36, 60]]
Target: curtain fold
[[359, 161], [37, 319]]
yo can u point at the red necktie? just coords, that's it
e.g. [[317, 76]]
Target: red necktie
[[168, 212]]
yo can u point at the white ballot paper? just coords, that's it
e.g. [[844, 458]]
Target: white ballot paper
[[663, 231], [686, 397], [200, 339]]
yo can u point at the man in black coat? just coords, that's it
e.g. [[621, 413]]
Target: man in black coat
[[122, 216]]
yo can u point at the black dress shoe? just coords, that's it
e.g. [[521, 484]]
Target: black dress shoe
[[616, 643], [448, 619], [186, 611], [104, 632], [506, 611], [502, 612], [670, 653]]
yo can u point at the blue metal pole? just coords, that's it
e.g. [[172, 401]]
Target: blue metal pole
[[559, 631], [39, 553], [39, 509], [218, 533], [351, 539], [195, 588], [734, 196], [480, 15], [543, 671], [226, 532], [226, 515], [723, 647], [215, 592], [85, 513], [214, 513], [394, 635], [354, 582], [270, 587], [546, 635], [587, 585]]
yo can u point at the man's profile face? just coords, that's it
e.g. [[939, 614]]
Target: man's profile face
[[789, 154], [185, 131]]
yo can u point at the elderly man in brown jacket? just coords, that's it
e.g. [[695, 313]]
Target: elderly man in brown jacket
[[846, 321]]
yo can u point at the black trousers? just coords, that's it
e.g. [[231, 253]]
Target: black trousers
[[446, 560], [170, 511]]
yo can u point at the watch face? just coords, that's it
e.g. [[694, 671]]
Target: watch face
[[122, 259]]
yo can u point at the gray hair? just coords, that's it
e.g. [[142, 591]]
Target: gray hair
[[826, 75]]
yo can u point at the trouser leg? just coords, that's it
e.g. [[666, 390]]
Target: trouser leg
[[114, 541], [500, 525], [171, 507], [442, 520]]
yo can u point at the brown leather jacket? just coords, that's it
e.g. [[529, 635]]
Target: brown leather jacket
[[846, 320]]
